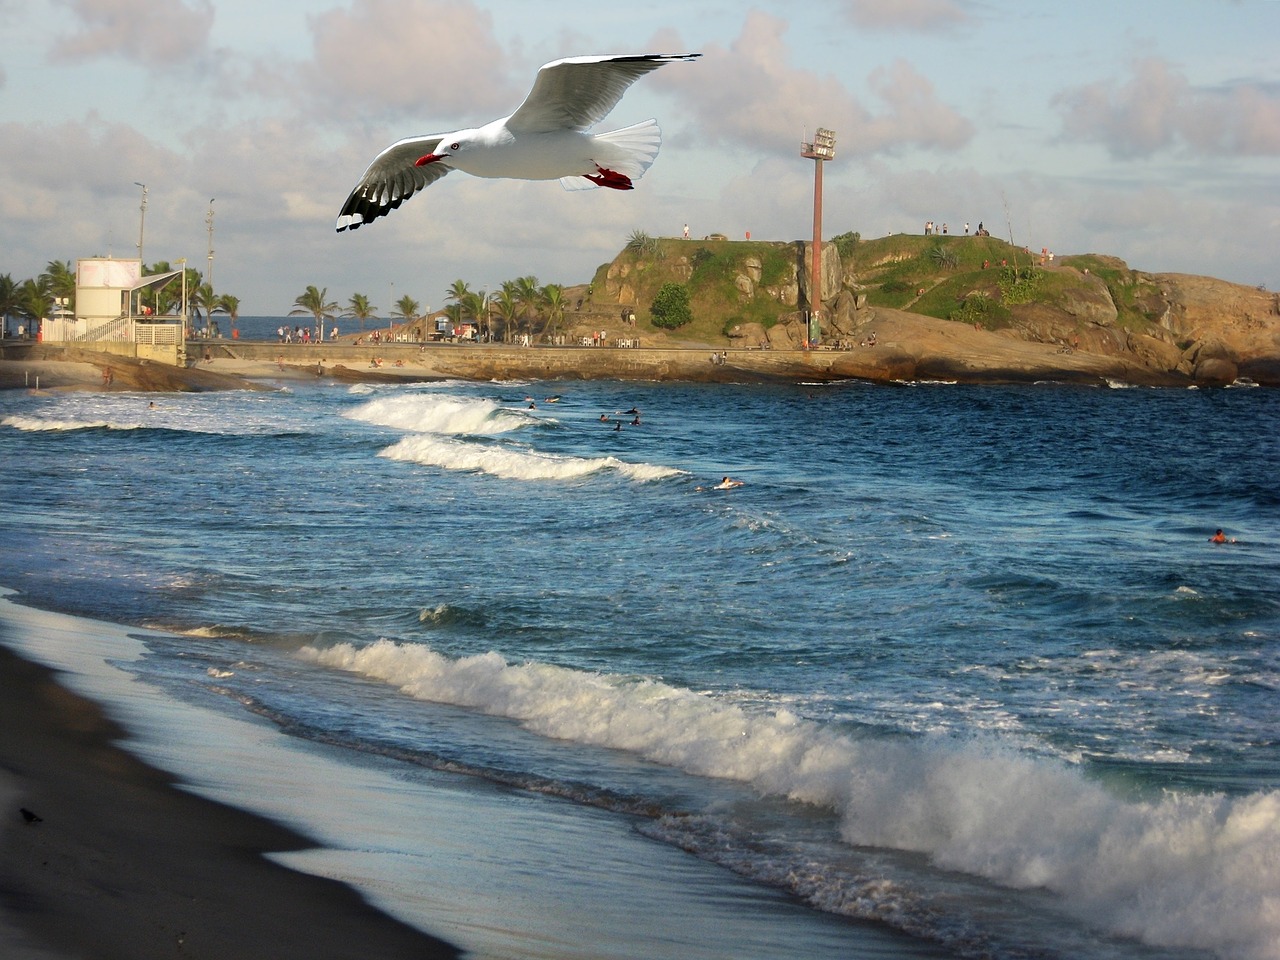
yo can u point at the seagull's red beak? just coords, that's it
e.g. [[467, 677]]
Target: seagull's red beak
[[429, 158]]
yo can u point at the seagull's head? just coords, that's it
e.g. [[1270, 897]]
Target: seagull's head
[[450, 145]]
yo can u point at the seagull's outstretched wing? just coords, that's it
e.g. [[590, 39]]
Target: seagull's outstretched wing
[[390, 180], [577, 92]]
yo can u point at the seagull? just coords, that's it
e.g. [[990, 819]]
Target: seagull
[[545, 139]]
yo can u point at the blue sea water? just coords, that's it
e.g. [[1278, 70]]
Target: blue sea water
[[957, 664]]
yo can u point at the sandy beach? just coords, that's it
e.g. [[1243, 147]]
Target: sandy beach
[[123, 864]]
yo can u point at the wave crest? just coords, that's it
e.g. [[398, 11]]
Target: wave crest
[[445, 415], [1183, 870], [514, 463]]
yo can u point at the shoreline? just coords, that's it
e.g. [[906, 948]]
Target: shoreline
[[374, 857], [125, 863], [909, 348]]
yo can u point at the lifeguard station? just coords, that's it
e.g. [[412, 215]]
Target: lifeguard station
[[108, 316]]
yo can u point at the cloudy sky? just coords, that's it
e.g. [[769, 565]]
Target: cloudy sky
[[1148, 129]]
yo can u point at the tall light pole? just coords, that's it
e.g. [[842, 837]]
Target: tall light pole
[[822, 148], [142, 220], [208, 219], [183, 261]]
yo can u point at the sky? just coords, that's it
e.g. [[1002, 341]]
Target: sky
[[1145, 129]]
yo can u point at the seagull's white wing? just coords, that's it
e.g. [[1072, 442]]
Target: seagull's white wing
[[392, 179], [574, 93]]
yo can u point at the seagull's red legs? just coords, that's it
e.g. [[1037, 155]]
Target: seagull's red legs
[[610, 178]]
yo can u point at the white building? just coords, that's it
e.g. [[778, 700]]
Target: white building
[[107, 312]]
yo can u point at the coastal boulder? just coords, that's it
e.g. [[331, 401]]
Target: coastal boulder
[[845, 316], [1089, 301], [1154, 353], [788, 333], [831, 271], [1215, 370], [748, 336]]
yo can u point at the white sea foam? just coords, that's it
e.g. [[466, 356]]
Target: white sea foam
[[432, 413], [1183, 870], [37, 424], [514, 463], [437, 425]]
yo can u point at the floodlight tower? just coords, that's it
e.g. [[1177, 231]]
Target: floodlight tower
[[821, 149]]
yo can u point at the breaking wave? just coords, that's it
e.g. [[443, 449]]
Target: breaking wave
[[514, 463], [445, 415], [1178, 870]]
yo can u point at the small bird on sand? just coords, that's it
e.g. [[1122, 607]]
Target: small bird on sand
[[545, 139], [30, 817]]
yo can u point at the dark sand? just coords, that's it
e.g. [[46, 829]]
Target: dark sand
[[126, 865]]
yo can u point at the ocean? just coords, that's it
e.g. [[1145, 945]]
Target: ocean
[[954, 673]]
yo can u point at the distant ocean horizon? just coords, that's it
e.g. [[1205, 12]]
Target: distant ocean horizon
[[264, 328], [954, 673]]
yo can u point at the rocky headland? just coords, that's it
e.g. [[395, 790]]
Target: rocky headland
[[969, 309]]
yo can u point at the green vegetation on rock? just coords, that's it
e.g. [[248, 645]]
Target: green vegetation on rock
[[671, 306]]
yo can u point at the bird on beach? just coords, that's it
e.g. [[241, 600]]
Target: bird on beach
[[545, 139]]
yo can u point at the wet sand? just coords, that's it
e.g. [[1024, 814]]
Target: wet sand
[[125, 864]]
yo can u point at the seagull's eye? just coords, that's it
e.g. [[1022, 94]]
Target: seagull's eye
[[453, 146]]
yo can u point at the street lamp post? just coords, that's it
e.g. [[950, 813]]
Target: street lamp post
[[821, 149], [208, 219], [183, 261], [142, 220]]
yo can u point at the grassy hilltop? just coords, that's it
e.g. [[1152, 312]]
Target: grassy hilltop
[[754, 293]]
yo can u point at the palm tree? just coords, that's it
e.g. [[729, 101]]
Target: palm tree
[[406, 309], [35, 302], [508, 310], [62, 281], [171, 296], [203, 303], [359, 308], [553, 303], [315, 302], [467, 302], [8, 302], [454, 313], [161, 299], [474, 306], [459, 292], [529, 296], [230, 306]]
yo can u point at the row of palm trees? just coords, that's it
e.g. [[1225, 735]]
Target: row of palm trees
[[520, 305], [32, 300], [201, 300]]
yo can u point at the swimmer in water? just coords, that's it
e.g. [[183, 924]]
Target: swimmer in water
[[728, 483]]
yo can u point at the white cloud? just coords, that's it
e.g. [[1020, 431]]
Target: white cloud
[[148, 31], [1158, 109], [428, 59], [757, 100]]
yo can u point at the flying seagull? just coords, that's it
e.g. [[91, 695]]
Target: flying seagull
[[545, 139]]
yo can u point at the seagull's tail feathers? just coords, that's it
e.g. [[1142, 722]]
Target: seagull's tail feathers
[[628, 151]]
